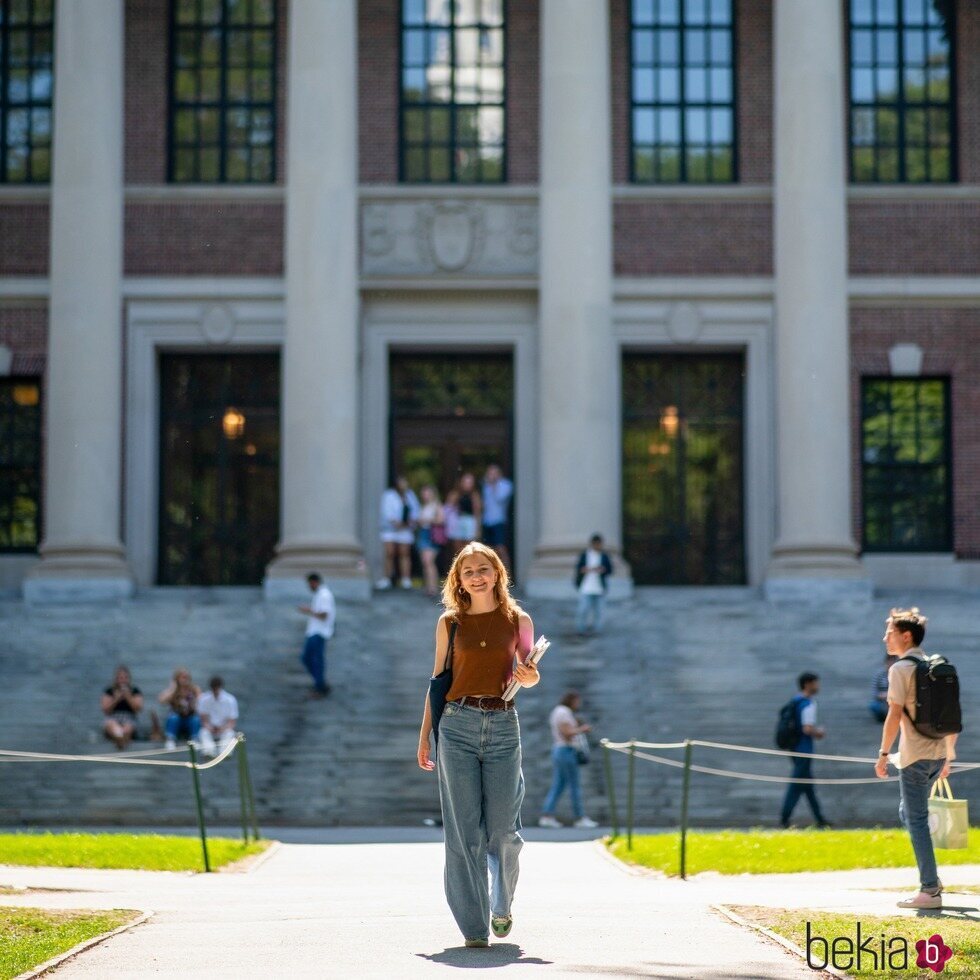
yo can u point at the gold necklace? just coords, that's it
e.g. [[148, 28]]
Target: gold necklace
[[486, 632]]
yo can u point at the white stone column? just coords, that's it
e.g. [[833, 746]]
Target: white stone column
[[82, 556], [814, 554], [320, 350], [579, 458]]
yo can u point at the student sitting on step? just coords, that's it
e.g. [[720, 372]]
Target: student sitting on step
[[181, 697]]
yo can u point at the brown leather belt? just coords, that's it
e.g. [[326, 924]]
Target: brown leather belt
[[486, 703]]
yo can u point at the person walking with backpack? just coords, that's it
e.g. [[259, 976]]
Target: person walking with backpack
[[798, 728], [924, 711]]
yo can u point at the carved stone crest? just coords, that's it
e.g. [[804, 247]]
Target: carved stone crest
[[452, 232]]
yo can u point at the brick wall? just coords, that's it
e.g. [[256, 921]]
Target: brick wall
[[950, 339], [914, 238], [968, 85], [523, 91], [378, 42], [24, 329], [204, 238], [24, 239], [692, 238], [146, 105]]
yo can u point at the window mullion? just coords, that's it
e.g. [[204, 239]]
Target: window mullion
[[4, 82], [453, 132], [902, 105], [223, 95]]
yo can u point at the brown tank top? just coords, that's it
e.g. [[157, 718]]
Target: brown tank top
[[482, 671]]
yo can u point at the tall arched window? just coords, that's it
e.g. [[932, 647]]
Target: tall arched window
[[452, 91]]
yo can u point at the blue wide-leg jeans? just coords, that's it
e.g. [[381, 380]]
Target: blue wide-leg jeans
[[481, 788]]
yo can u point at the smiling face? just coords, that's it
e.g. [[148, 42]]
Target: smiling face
[[477, 575]]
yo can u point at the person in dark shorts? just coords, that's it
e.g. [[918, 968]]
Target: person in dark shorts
[[122, 702]]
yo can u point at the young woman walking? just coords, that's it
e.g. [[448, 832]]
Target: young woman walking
[[481, 786]]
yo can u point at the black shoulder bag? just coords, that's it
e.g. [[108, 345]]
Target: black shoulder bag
[[440, 684]]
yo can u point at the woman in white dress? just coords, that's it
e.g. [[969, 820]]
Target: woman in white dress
[[399, 513]]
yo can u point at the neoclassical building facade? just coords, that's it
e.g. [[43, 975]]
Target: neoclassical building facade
[[701, 275]]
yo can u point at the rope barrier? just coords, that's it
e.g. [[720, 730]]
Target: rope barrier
[[246, 795], [634, 750], [132, 759], [855, 781]]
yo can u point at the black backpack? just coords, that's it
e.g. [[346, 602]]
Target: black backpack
[[788, 728], [937, 698]]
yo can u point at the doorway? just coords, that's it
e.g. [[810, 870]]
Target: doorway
[[683, 450], [219, 468], [450, 414]]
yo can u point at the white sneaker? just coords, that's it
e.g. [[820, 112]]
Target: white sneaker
[[405, 583], [382, 584], [170, 744], [586, 822], [924, 900], [548, 821]]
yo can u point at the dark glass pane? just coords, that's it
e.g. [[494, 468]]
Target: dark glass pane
[[223, 58], [219, 468], [682, 468]]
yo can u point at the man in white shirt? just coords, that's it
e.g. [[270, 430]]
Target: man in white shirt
[[321, 615], [497, 491], [218, 711]]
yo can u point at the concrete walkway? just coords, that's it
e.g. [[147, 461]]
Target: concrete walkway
[[377, 910]]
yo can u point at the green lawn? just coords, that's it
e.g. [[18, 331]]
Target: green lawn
[[28, 937], [146, 852], [961, 936], [776, 851]]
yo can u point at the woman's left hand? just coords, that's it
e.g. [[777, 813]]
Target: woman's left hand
[[527, 674]]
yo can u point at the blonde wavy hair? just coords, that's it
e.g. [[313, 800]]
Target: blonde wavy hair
[[456, 599]]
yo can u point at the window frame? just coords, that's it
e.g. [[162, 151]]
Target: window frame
[[948, 545], [452, 106], [222, 105], [37, 380], [682, 106], [31, 104], [902, 106]]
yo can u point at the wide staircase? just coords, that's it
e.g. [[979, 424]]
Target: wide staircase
[[708, 664]]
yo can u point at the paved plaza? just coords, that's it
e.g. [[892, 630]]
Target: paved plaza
[[377, 910], [711, 664]]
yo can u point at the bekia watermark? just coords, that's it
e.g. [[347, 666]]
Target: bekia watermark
[[875, 952]]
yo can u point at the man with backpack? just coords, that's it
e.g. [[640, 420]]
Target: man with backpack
[[796, 733], [924, 707]]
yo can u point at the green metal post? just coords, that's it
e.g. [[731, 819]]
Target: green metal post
[[611, 789], [200, 805], [685, 793], [248, 789], [241, 788], [629, 797]]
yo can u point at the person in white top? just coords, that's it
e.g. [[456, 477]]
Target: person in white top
[[564, 758], [593, 569], [218, 711], [321, 615], [399, 514]]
